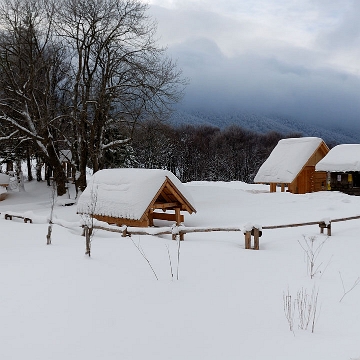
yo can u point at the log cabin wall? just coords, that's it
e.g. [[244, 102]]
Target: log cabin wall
[[346, 182]]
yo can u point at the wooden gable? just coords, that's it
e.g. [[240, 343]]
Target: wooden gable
[[307, 180], [168, 198]]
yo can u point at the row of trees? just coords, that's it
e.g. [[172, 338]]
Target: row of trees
[[79, 75], [198, 152]]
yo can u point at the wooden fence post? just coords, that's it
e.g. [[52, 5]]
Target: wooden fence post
[[323, 225], [256, 239], [87, 240], [329, 229], [256, 233], [248, 240], [124, 232]]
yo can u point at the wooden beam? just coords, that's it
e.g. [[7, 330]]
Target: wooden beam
[[166, 216], [166, 205], [151, 218], [121, 221]]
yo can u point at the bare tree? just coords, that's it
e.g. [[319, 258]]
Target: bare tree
[[30, 75], [118, 75]]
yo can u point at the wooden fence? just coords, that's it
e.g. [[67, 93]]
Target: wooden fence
[[252, 235]]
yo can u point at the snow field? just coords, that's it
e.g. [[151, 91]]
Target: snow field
[[57, 303]]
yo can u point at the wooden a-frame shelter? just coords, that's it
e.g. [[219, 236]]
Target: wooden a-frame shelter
[[135, 197]]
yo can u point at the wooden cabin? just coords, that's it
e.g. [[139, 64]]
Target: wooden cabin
[[135, 197], [291, 165], [342, 165]]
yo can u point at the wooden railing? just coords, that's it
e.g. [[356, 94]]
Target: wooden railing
[[252, 234]]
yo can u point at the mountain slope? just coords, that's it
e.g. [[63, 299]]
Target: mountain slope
[[264, 124]]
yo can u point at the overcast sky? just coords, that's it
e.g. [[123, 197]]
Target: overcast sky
[[297, 58]]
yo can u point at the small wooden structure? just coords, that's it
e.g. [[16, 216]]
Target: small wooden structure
[[4, 183], [292, 164], [135, 197], [342, 165], [66, 159], [10, 216]]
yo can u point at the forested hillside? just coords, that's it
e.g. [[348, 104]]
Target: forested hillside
[[266, 123], [194, 152]]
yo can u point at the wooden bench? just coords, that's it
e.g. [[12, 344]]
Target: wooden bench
[[10, 216]]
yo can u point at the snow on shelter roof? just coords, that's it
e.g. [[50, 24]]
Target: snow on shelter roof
[[287, 159], [345, 157], [125, 193]]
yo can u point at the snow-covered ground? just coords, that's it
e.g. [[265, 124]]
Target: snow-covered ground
[[56, 303]]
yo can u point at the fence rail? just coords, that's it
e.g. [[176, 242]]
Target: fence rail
[[255, 232]]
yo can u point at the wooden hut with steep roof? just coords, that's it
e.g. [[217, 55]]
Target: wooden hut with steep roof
[[292, 164], [135, 197]]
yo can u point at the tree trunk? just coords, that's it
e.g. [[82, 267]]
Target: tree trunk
[[38, 169], [61, 180], [28, 162]]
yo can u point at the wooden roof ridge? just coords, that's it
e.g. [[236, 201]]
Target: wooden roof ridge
[[322, 144], [176, 192], [182, 196]]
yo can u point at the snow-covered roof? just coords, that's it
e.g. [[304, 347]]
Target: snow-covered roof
[[125, 193], [287, 159], [345, 157], [4, 179]]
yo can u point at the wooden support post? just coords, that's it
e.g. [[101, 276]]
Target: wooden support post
[[178, 223], [282, 187], [248, 240], [256, 233], [87, 239], [272, 187], [329, 229], [151, 218], [124, 232], [256, 239], [323, 226]]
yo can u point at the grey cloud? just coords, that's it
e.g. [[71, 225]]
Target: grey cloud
[[346, 33], [262, 76], [265, 85]]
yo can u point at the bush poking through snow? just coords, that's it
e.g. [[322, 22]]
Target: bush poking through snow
[[289, 309], [52, 204], [88, 220], [312, 250], [356, 283], [142, 252], [306, 307]]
